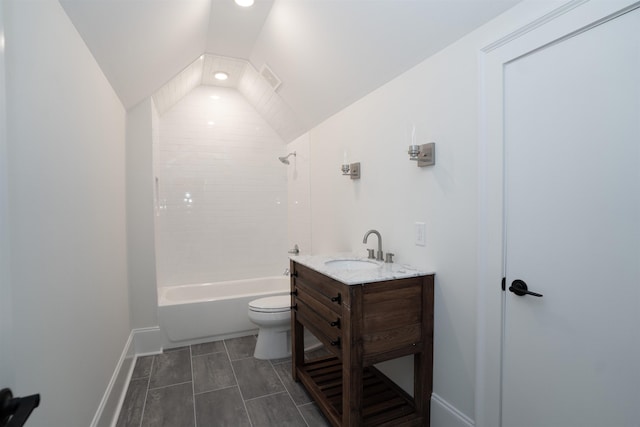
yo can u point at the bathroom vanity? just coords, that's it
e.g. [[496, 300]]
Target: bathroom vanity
[[363, 314]]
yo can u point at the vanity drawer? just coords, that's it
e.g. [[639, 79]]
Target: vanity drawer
[[320, 288], [327, 321], [327, 331]]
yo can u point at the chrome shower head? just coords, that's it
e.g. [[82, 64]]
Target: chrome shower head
[[285, 159]]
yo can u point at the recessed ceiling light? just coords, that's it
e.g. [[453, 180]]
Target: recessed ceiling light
[[221, 75], [244, 3]]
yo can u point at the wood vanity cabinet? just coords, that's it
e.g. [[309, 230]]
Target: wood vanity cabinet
[[362, 325]]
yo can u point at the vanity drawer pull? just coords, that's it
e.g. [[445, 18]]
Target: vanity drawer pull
[[335, 323], [295, 307], [337, 298], [335, 343], [294, 292]]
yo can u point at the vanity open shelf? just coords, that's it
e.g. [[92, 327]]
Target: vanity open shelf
[[361, 325]]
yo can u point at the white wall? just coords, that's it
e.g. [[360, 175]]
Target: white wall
[[222, 208], [66, 174], [140, 229], [440, 98], [6, 362]]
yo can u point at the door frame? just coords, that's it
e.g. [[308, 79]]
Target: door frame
[[558, 24]]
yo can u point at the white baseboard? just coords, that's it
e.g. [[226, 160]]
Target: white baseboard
[[114, 393], [147, 340], [141, 341], [444, 414]]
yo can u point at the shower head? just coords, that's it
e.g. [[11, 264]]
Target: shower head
[[285, 159]]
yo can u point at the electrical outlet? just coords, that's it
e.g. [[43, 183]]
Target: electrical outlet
[[419, 231]]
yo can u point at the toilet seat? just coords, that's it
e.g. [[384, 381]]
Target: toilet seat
[[276, 304]]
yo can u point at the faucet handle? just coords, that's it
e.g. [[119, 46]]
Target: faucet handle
[[371, 253], [389, 258], [295, 250]]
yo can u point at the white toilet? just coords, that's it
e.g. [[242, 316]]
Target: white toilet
[[273, 316]]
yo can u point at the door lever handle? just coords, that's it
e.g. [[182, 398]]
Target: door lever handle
[[519, 287]]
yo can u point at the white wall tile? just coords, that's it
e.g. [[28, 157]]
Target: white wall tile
[[222, 191], [299, 203]]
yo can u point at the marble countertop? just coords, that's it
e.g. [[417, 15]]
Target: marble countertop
[[355, 276]]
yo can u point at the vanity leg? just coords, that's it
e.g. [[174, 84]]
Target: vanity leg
[[352, 363], [423, 361], [352, 396], [297, 344], [297, 332]]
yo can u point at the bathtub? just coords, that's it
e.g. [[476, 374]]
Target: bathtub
[[191, 314]]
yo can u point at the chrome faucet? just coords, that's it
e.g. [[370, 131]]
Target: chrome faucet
[[295, 250], [379, 255]]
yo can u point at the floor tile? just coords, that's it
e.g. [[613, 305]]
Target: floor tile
[[284, 360], [274, 410], [131, 411], [221, 408], [169, 407], [308, 355], [256, 377], [208, 347], [242, 347], [161, 392], [143, 367], [171, 368], [296, 390], [313, 415], [212, 372]]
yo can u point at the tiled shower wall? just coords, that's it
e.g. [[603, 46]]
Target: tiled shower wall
[[221, 193], [299, 212]]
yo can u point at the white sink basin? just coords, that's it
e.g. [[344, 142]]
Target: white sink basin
[[351, 264]]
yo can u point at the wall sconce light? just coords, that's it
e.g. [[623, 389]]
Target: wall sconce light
[[352, 170], [424, 154]]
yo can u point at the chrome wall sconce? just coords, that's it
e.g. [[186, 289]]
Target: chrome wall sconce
[[352, 170], [424, 154]]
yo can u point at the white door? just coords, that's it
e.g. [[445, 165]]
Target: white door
[[571, 358]]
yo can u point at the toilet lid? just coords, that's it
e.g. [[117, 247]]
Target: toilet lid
[[271, 304]]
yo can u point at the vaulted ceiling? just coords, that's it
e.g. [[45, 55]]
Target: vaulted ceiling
[[327, 53]]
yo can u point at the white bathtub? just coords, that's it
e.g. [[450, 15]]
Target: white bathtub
[[190, 314]]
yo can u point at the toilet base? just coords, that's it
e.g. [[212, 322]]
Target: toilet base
[[276, 343], [273, 343]]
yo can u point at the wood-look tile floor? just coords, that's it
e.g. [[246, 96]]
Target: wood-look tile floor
[[216, 384]]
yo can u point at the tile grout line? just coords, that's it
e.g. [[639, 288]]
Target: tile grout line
[[267, 395], [146, 394], [238, 384], [169, 385], [290, 397], [193, 388], [215, 389]]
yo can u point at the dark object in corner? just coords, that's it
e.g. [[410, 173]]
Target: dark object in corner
[[14, 411]]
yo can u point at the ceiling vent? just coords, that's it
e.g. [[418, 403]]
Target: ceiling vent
[[270, 77]]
